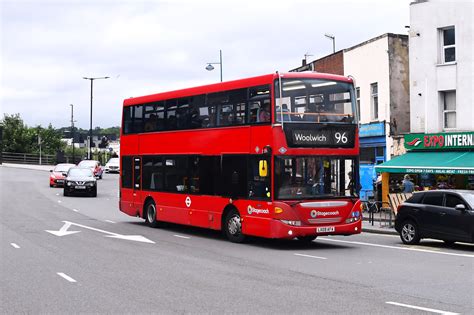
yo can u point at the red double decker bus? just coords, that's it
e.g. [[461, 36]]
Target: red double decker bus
[[273, 156]]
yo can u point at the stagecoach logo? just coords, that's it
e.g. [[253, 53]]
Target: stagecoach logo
[[188, 202], [315, 213], [251, 210]]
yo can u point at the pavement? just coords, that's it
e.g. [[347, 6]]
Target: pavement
[[379, 226]]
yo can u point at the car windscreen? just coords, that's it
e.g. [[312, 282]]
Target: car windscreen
[[87, 163], [62, 168], [75, 172], [312, 177]]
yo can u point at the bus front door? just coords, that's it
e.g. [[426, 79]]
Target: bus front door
[[137, 184]]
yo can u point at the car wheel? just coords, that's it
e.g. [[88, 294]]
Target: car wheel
[[409, 233], [233, 227], [150, 214], [306, 239], [94, 192], [65, 193]]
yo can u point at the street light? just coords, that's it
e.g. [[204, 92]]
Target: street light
[[210, 66], [89, 153], [333, 38], [72, 133]]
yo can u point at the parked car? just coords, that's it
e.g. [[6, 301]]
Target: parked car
[[112, 166], [447, 215], [80, 180], [58, 174], [94, 166]]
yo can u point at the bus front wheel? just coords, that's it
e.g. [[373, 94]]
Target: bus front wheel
[[150, 214], [233, 227]]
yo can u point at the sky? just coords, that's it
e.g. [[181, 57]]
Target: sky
[[152, 46]]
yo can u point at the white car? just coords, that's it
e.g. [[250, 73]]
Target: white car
[[113, 166]]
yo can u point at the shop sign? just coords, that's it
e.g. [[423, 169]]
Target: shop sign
[[372, 130], [439, 141]]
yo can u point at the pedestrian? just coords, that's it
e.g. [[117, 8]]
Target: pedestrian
[[407, 184]]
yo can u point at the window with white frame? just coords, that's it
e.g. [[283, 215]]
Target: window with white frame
[[358, 101], [448, 103], [448, 44], [374, 101]]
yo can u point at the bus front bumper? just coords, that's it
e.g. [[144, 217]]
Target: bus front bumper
[[282, 230]]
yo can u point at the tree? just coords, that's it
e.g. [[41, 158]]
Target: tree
[[18, 138], [16, 135]]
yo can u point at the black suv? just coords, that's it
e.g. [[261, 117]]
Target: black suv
[[447, 215]]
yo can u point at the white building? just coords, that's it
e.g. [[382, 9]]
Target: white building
[[441, 66], [380, 68], [440, 149]]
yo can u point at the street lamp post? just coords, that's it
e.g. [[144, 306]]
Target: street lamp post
[[210, 66], [89, 153], [333, 38], [72, 133]]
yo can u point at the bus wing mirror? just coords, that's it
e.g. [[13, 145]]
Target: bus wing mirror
[[263, 168]]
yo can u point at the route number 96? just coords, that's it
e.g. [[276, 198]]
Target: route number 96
[[341, 137]]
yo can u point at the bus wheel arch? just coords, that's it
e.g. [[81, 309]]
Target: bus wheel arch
[[149, 212], [231, 224]]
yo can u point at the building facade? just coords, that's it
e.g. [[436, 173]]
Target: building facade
[[380, 68], [440, 146], [441, 66]]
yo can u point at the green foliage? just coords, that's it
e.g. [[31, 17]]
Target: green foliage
[[18, 137]]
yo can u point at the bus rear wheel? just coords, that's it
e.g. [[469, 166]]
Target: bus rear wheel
[[233, 227], [150, 214]]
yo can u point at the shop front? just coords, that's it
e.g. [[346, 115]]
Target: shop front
[[373, 145], [432, 161]]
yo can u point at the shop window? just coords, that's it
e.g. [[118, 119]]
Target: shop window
[[447, 44]]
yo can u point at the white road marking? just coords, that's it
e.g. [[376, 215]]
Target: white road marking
[[15, 245], [65, 276], [64, 231], [310, 256], [422, 308], [59, 201], [109, 221], [180, 236], [75, 210], [397, 247], [57, 194]]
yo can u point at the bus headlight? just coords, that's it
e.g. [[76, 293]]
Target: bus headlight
[[355, 216], [293, 223]]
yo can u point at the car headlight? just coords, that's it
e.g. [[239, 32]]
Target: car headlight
[[69, 183], [90, 184]]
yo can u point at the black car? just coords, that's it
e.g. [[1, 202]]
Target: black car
[[447, 215], [80, 180]]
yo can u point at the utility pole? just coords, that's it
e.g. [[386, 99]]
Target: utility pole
[[39, 143], [72, 133]]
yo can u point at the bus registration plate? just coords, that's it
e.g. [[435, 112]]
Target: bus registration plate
[[325, 229]]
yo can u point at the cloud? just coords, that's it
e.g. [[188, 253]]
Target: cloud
[[153, 46]]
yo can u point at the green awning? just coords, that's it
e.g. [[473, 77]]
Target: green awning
[[430, 163]]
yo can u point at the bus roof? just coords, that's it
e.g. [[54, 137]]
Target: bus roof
[[230, 85]]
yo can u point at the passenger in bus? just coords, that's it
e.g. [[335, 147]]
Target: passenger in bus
[[264, 114], [151, 123]]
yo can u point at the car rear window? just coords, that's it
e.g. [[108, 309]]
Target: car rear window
[[435, 199], [416, 198]]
